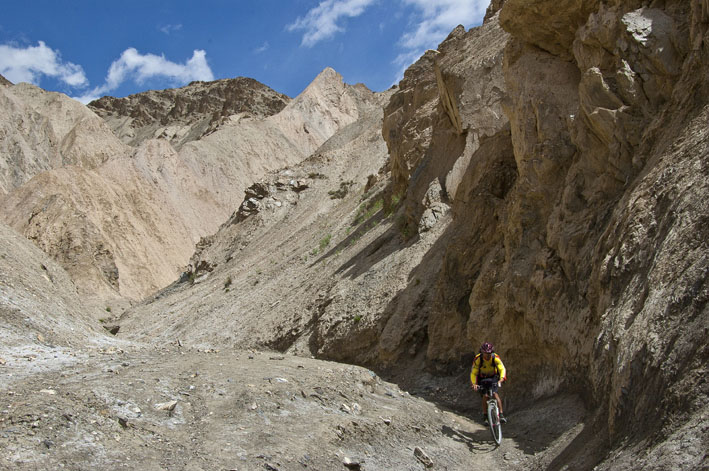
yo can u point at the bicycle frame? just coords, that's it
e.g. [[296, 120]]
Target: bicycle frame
[[493, 417]]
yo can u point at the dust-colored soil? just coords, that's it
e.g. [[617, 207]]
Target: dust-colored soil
[[245, 410]]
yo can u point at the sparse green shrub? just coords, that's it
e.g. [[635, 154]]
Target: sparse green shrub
[[393, 204], [357, 317], [405, 232], [364, 212], [377, 206], [360, 213], [108, 308], [325, 241], [404, 229]]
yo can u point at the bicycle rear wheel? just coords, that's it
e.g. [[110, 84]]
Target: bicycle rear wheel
[[493, 419]]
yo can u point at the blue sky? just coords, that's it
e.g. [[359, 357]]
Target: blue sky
[[91, 48]]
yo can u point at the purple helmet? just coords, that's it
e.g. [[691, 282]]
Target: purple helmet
[[487, 348]]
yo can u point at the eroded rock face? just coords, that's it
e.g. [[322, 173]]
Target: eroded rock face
[[188, 113], [549, 25], [564, 261], [492, 9], [607, 114], [444, 106]]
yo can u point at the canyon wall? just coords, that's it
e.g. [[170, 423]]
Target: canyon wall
[[578, 243]]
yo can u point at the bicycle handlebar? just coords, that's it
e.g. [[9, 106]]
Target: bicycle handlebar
[[487, 387]]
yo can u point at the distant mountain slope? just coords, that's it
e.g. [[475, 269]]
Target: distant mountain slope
[[126, 226], [279, 252], [186, 114], [45, 130], [122, 230]]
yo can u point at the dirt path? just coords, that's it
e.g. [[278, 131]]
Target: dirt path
[[109, 409]]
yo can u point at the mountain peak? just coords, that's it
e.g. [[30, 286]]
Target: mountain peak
[[327, 78]]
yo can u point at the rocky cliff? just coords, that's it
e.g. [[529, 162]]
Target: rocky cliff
[[566, 239]]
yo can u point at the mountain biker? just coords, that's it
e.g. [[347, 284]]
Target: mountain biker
[[487, 375]]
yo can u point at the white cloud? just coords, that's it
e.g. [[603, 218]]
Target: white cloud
[[438, 18], [132, 65], [167, 29], [431, 21], [263, 48], [321, 22], [33, 62], [435, 20]]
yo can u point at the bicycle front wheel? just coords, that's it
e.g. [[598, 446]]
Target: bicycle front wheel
[[493, 418]]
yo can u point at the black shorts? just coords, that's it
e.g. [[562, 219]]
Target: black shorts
[[488, 386]]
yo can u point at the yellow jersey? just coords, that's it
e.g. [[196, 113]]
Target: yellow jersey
[[487, 369]]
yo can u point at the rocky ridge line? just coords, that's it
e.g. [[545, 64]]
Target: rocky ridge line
[[186, 114]]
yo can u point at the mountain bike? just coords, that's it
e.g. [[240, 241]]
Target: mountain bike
[[493, 416]]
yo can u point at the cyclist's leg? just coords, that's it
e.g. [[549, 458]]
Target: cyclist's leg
[[499, 402]]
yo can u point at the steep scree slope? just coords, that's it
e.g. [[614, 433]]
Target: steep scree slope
[[39, 305]]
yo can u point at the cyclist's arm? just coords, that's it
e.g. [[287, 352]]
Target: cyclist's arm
[[501, 369], [474, 374]]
